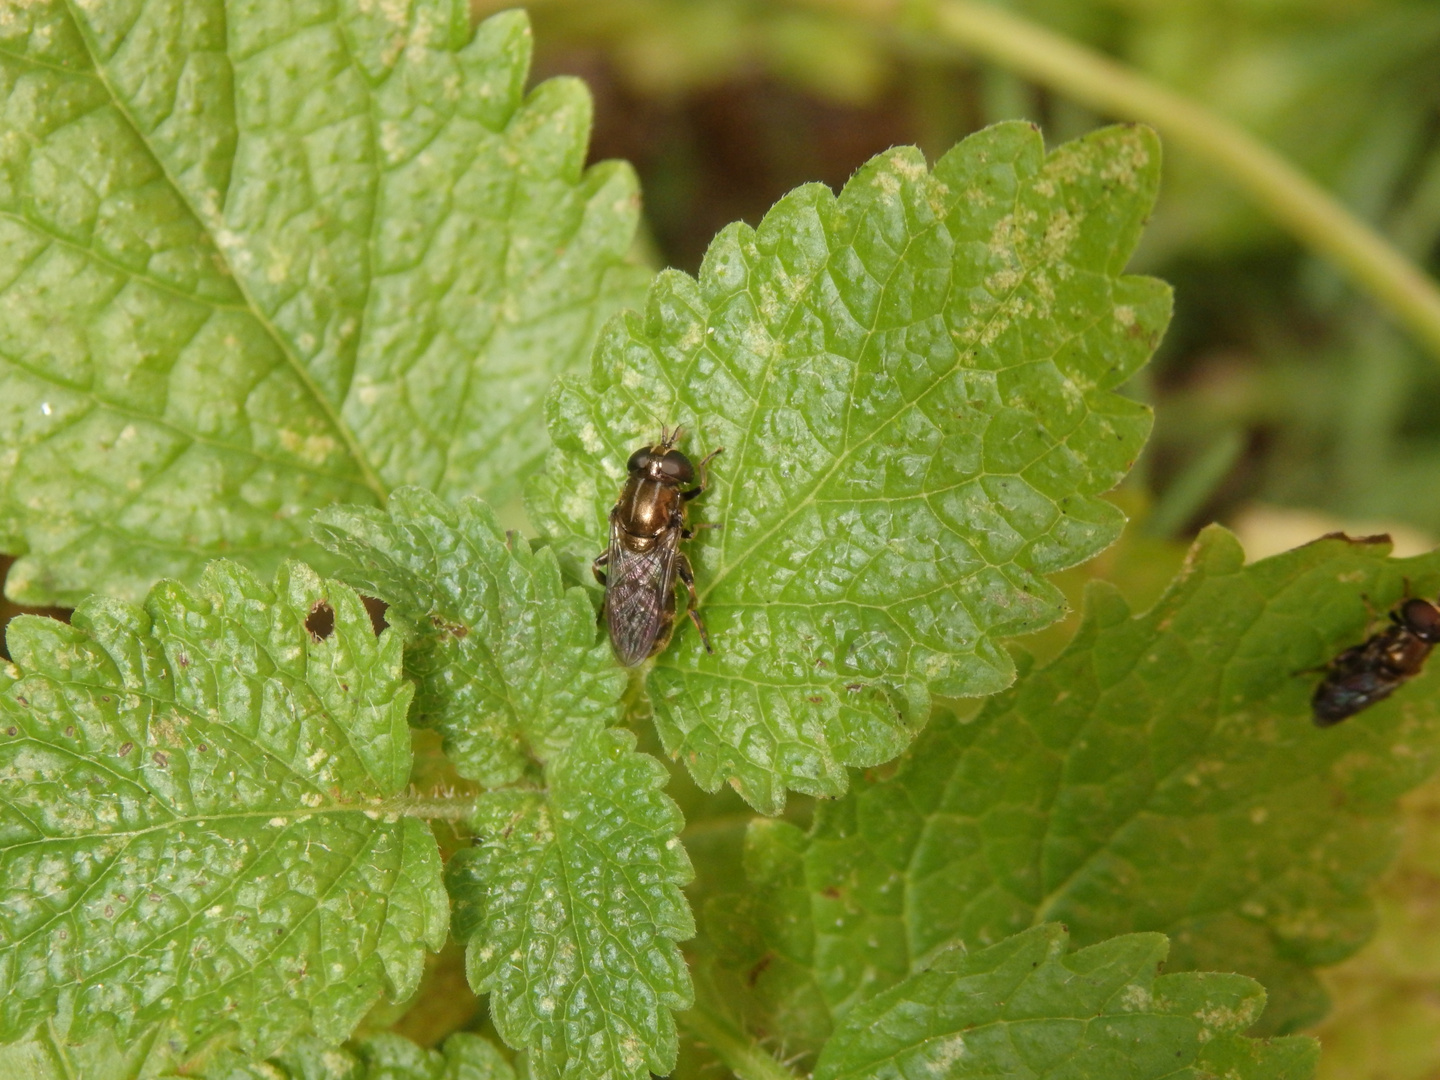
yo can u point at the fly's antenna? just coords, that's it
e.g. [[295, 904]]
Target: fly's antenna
[[667, 441]]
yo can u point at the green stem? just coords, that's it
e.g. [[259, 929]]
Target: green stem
[[732, 1046], [1299, 204]]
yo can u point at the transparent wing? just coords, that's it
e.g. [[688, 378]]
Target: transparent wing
[[640, 595]]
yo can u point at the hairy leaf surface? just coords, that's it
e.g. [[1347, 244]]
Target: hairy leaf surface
[[570, 900], [1025, 1009], [259, 258], [1162, 774], [914, 385], [197, 815], [505, 658]]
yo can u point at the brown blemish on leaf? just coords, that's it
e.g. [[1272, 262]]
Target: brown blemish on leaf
[[458, 631], [753, 975]]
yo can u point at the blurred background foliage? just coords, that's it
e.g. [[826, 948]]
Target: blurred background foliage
[[1287, 403]]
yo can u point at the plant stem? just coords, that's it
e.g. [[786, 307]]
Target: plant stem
[[738, 1051], [1299, 204]]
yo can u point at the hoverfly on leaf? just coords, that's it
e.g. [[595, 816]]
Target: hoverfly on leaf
[[644, 559], [1373, 670]]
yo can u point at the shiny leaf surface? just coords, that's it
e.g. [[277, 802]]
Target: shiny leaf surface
[[505, 658], [1025, 1009], [260, 258], [1163, 774], [198, 819], [382, 1057], [569, 901], [915, 385]]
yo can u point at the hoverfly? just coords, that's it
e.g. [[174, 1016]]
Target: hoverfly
[[644, 558], [1373, 670]]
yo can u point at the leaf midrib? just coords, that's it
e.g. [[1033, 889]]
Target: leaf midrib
[[191, 437], [367, 471], [381, 810], [845, 454]]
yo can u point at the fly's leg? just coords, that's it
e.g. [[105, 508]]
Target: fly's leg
[[682, 567], [689, 534], [704, 479]]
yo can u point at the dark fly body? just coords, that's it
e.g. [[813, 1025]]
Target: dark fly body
[[640, 566], [1373, 670]]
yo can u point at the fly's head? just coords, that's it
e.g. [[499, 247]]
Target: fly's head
[[662, 462], [1421, 618]]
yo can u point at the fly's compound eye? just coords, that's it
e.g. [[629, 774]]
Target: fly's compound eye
[[639, 460], [676, 464], [1422, 618]]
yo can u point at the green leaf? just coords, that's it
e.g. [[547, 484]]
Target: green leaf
[[1026, 1009], [570, 900], [381, 1057], [914, 383], [260, 259], [504, 657], [1163, 774], [571, 904], [198, 819], [45, 1056]]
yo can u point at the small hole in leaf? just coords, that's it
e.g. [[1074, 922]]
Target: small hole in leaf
[[376, 609], [11, 610], [321, 621]]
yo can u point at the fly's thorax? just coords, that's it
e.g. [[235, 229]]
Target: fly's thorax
[[648, 507], [1405, 653]]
